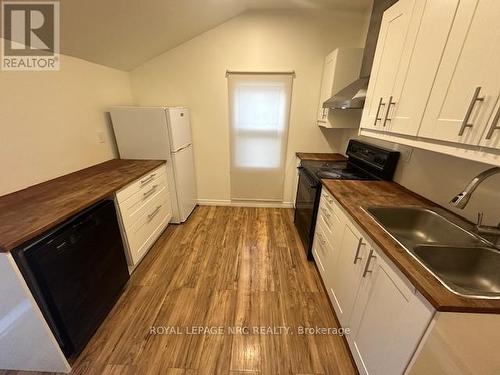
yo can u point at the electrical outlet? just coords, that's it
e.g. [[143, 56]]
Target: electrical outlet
[[101, 137], [406, 152]]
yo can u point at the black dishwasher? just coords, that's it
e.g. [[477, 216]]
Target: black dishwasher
[[76, 272]]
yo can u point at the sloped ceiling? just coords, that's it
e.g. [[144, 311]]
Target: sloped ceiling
[[126, 33]]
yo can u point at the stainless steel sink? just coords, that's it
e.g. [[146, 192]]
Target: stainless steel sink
[[464, 263], [416, 225], [471, 270]]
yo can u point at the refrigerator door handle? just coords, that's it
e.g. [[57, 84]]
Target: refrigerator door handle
[[182, 148]]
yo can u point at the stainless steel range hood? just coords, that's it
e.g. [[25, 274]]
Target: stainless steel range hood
[[354, 95], [351, 97]]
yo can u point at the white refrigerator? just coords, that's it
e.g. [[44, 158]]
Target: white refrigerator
[[162, 133]]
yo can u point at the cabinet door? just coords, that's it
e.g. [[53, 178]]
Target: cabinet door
[[346, 274], [326, 86], [391, 40], [388, 320], [427, 35], [465, 88], [491, 134]]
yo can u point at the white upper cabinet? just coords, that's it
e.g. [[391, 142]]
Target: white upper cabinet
[[491, 134], [428, 32], [391, 40], [435, 84], [466, 87], [341, 68], [326, 87]]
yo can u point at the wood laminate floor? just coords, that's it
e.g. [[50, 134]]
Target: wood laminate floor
[[225, 267]]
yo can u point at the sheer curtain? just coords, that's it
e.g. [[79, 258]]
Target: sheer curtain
[[259, 107]]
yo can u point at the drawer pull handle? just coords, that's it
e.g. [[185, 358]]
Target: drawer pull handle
[[356, 256], [321, 239], [465, 123], [494, 125], [148, 179], [154, 213], [61, 245], [370, 257], [325, 195], [327, 214], [149, 192]]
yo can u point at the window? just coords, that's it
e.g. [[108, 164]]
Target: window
[[259, 107]]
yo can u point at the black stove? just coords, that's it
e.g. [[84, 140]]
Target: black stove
[[364, 162], [336, 170]]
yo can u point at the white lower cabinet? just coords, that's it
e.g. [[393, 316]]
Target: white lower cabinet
[[388, 320], [144, 208], [346, 275], [386, 315]]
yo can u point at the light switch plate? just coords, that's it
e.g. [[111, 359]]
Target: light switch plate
[[101, 137]]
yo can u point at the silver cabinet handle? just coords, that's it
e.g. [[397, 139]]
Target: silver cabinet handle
[[148, 179], [370, 257], [475, 99], [357, 257], [154, 213], [149, 192], [380, 104], [321, 240], [327, 214], [494, 125], [325, 195], [389, 105]]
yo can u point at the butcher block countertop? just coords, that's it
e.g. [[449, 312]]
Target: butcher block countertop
[[28, 213], [316, 156], [353, 195]]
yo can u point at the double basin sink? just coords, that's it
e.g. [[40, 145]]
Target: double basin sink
[[464, 263]]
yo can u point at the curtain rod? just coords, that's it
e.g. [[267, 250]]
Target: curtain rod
[[292, 72]]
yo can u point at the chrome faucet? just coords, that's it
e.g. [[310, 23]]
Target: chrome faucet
[[461, 200]]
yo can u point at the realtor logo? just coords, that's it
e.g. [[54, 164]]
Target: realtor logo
[[30, 35]]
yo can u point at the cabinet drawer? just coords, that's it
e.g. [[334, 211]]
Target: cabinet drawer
[[142, 184], [132, 208], [143, 232], [321, 252], [331, 205]]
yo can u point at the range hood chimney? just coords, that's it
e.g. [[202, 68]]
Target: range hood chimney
[[354, 95]]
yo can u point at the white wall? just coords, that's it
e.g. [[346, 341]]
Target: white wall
[[49, 120], [193, 74], [440, 177]]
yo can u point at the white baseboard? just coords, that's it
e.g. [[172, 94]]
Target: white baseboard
[[224, 202]]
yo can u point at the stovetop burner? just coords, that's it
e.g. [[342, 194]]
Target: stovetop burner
[[336, 171]]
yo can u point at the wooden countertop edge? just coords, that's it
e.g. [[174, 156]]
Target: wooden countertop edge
[[8, 247], [415, 275], [320, 156]]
